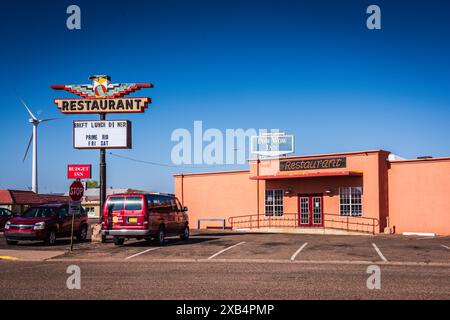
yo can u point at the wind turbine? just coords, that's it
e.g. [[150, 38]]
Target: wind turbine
[[35, 122]]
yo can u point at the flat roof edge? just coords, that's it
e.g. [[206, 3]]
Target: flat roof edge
[[212, 172], [420, 160], [324, 155]]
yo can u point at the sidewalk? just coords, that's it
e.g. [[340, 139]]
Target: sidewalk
[[29, 255]]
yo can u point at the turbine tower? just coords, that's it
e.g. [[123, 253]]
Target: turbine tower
[[34, 169]]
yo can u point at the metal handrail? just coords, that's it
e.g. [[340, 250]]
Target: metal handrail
[[331, 220]]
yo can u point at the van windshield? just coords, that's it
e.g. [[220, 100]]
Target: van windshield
[[115, 203], [133, 203]]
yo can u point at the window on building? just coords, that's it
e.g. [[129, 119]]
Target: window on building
[[274, 202], [350, 201]]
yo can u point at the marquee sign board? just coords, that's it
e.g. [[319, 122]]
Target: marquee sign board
[[311, 164], [102, 134], [272, 144], [102, 97]]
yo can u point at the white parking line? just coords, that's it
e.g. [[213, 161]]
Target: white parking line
[[444, 246], [145, 251], [428, 238], [298, 251], [226, 249], [379, 252]]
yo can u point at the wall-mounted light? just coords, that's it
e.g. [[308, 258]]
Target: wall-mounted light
[[328, 192], [288, 192]]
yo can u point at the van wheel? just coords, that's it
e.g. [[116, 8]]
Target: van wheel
[[118, 241], [11, 242], [51, 238], [161, 236], [103, 238], [82, 234], [185, 234]]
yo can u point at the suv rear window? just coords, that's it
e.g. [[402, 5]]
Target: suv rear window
[[133, 203], [115, 203]]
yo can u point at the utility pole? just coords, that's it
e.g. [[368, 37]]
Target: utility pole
[[102, 175]]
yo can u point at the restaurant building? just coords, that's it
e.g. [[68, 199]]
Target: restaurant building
[[367, 191]]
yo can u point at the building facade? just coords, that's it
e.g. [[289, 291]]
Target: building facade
[[20, 200], [368, 191]]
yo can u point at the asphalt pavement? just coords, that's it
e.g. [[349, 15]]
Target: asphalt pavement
[[232, 265]]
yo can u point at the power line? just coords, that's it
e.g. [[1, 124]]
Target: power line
[[164, 164]]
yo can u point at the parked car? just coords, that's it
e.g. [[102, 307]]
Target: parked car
[[46, 222], [150, 216], [5, 215]]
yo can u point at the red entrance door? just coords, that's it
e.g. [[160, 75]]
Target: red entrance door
[[310, 210]]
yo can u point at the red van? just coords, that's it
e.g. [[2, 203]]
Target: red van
[[144, 216]]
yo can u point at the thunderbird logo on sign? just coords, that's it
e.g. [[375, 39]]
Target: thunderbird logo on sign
[[272, 144], [102, 96]]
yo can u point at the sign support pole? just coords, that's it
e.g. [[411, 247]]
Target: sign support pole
[[102, 175]]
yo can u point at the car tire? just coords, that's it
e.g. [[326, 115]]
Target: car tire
[[82, 234], [185, 234], [11, 242], [103, 238], [118, 241], [161, 236], [51, 238]]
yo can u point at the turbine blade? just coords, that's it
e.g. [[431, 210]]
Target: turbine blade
[[28, 148], [31, 114], [49, 119]]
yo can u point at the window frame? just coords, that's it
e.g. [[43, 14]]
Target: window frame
[[350, 201], [276, 205]]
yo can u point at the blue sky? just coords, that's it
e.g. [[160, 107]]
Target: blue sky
[[309, 68]]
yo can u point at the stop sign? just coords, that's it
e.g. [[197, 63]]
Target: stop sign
[[76, 191]]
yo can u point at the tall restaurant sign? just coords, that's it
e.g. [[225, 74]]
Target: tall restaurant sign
[[311, 164], [102, 97]]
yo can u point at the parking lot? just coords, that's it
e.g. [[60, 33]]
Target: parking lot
[[232, 265], [258, 247]]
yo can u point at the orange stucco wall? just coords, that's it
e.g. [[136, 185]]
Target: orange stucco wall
[[226, 194], [217, 195], [419, 196], [413, 195], [367, 163]]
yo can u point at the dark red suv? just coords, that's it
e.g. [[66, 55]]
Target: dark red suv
[[46, 222]]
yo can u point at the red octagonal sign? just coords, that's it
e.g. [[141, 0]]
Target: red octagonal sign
[[76, 191]]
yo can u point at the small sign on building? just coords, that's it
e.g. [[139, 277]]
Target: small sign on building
[[272, 144], [102, 134]]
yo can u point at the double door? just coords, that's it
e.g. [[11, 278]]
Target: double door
[[310, 213]]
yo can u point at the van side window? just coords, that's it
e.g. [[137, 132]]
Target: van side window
[[180, 207], [174, 206], [166, 204], [155, 204], [115, 203], [133, 203]]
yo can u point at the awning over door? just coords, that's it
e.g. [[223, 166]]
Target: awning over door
[[310, 175]]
